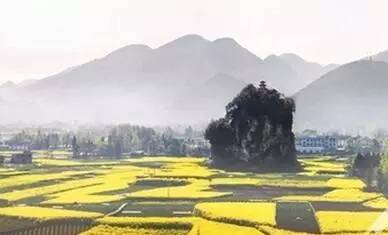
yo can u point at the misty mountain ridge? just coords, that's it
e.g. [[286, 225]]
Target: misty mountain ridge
[[352, 96], [135, 82], [191, 59]]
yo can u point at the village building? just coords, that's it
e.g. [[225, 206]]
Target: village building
[[315, 144]]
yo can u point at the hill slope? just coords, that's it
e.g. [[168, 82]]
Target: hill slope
[[354, 95], [382, 56]]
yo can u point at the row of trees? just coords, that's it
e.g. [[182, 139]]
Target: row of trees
[[373, 168], [383, 169], [40, 140], [110, 141]]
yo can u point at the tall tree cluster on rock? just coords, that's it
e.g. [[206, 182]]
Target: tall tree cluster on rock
[[257, 129]]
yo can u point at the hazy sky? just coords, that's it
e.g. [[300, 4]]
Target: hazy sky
[[43, 37]]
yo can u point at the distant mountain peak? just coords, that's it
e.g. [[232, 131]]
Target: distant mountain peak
[[135, 49], [186, 41], [192, 37], [226, 41]]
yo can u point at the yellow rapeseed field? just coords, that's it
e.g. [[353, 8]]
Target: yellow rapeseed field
[[117, 179], [323, 166], [346, 222], [345, 183], [45, 190], [101, 182], [109, 230], [68, 162], [271, 230], [205, 227], [378, 203], [250, 212], [26, 179], [352, 195]]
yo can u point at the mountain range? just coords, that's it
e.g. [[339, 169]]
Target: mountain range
[[187, 80]]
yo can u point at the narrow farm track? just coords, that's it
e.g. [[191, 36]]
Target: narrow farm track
[[157, 210], [118, 210]]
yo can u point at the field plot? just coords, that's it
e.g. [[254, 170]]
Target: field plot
[[106, 229], [181, 195]]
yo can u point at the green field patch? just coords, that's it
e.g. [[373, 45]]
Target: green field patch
[[145, 184], [341, 206], [290, 182], [152, 165], [160, 182], [6, 174], [174, 202], [296, 216], [196, 189], [166, 209], [103, 208], [8, 223], [30, 200], [26, 186], [251, 193], [149, 222], [131, 189], [52, 162], [43, 213]]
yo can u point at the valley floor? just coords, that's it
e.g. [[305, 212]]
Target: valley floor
[[176, 195]]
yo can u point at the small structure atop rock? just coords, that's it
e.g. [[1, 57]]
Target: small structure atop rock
[[263, 84]]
